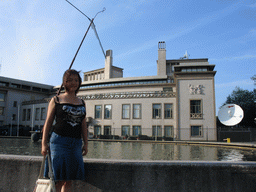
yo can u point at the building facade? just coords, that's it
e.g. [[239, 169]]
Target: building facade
[[178, 103], [13, 94]]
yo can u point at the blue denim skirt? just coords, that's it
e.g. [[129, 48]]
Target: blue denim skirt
[[66, 157]]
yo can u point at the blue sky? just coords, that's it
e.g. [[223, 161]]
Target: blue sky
[[39, 38]]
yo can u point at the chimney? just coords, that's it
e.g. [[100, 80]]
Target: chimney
[[161, 63], [108, 64]]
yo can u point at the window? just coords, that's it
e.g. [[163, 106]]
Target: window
[[1, 110], [126, 111], [24, 115], [136, 130], [125, 130], [107, 111], [98, 112], [97, 130], [167, 111], [25, 87], [196, 130], [15, 85], [36, 89], [196, 109], [43, 113], [107, 130], [136, 111], [15, 104], [157, 131], [156, 111], [14, 117], [45, 90], [28, 114], [37, 115], [167, 89], [168, 131], [5, 84], [2, 97]]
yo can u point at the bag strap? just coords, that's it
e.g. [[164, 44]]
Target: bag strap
[[50, 168], [41, 173], [42, 169]]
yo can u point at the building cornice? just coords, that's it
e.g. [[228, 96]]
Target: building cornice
[[128, 95]]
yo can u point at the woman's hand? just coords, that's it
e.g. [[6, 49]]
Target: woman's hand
[[84, 150], [45, 149]]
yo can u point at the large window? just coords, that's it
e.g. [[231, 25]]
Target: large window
[[43, 113], [37, 115], [98, 112], [157, 131], [136, 130], [125, 130], [14, 103], [196, 109], [168, 131], [196, 131], [107, 130], [1, 110], [24, 115], [157, 111], [2, 96], [167, 111], [126, 111], [28, 114], [107, 111], [97, 130], [14, 117], [136, 111]]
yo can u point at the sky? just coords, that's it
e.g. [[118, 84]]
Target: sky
[[39, 38]]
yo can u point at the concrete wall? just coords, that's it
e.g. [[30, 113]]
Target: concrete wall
[[19, 173]]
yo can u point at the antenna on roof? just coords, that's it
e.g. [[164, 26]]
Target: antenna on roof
[[186, 55], [93, 25]]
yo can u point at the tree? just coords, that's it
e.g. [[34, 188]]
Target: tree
[[254, 79], [246, 100]]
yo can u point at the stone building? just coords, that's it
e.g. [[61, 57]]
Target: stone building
[[178, 102]]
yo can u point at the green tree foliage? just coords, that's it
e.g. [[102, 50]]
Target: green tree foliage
[[254, 79], [246, 100]]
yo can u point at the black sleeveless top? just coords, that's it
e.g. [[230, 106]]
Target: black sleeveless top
[[69, 119]]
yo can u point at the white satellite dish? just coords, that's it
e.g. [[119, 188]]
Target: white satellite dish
[[230, 114]]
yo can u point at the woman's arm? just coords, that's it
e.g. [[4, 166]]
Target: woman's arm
[[84, 136], [47, 125]]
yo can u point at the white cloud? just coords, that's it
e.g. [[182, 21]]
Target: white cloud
[[234, 58], [242, 83]]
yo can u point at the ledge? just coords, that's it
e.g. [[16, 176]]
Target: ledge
[[135, 175]]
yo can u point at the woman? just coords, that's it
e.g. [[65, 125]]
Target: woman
[[65, 143]]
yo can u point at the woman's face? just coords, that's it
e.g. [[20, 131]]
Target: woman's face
[[72, 83]]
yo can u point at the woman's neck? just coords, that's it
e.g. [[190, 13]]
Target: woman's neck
[[70, 94]]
